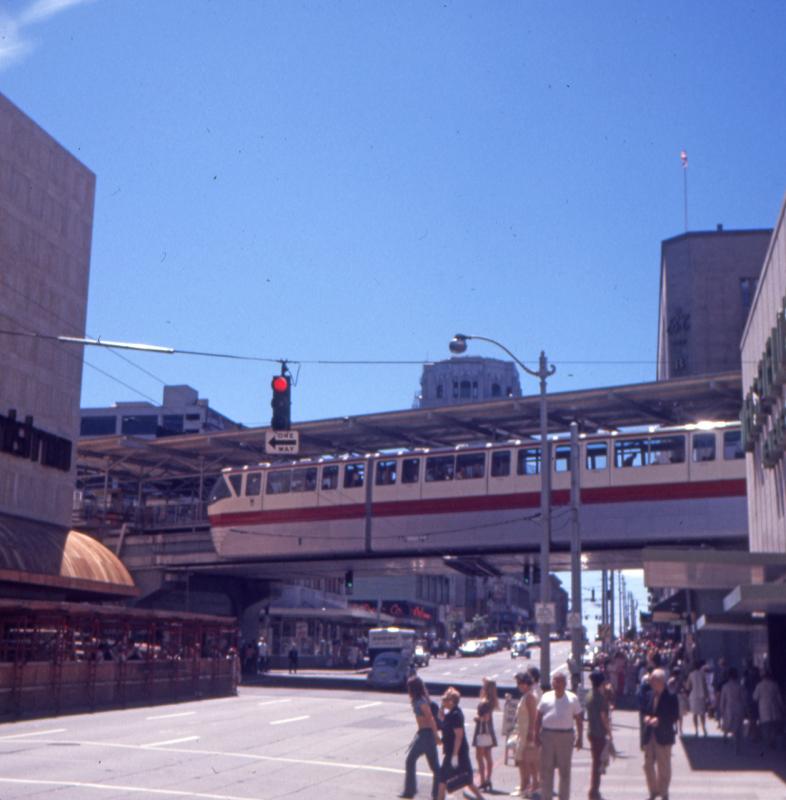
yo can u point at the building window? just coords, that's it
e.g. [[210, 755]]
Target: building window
[[474, 389], [440, 391], [496, 390], [98, 426], [509, 392], [597, 455], [747, 290], [171, 424], [465, 389], [140, 425], [500, 464], [703, 447]]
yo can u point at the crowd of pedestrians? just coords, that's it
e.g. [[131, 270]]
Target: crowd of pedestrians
[[667, 682]]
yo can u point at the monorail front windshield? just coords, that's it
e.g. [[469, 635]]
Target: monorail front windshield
[[220, 490]]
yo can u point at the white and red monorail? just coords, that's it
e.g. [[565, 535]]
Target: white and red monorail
[[663, 486]]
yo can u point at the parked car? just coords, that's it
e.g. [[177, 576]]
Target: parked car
[[503, 639], [473, 647], [421, 656], [389, 671], [492, 644], [520, 648]]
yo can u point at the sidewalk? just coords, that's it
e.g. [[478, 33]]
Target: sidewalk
[[703, 769]]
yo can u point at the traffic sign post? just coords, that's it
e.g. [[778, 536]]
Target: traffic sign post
[[282, 443], [545, 613]]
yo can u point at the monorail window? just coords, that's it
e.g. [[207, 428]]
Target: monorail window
[[236, 481], [630, 453], [732, 445], [353, 475], [529, 461], [329, 477], [703, 447], [500, 464], [279, 482], [253, 484], [440, 468], [470, 465], [410, 470], [667, 450], [304, 479], [220, 490], [387, 472], [597, 455], [562, 458]]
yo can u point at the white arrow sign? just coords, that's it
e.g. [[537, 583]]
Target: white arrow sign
[[282, 442]]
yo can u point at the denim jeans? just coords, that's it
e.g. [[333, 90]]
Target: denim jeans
[[424, 744]]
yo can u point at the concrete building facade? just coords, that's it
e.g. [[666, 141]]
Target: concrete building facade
[[46, 219], [467, 379], [707, 283]]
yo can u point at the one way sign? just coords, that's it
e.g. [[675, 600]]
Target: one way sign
[[282, 442]]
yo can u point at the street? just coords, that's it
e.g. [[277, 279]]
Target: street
[[497, 666], [306, 743]]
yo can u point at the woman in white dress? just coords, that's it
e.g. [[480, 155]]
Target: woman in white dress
[[697, 697]]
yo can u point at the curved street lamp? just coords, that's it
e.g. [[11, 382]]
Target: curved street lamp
[[458, 345]]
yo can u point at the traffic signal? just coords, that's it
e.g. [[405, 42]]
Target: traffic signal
[[281, 402], [349, 581], [527, 575]]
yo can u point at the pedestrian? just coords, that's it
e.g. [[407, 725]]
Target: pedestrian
[[660, 717], [262, 655], [294, 657], [558, 711], [425, 740], [732, 707], [697, 697], [526, 748], [484, 739], [536, 688], [770, 704], [456, 769], [677, 687], [750, 680], [598, 729]]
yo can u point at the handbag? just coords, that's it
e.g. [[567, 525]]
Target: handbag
[[458, 780], [484, 740]]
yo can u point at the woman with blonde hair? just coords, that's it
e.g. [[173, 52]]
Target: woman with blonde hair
[[484, 739]]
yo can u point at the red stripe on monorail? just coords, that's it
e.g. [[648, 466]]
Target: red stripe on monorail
[[700, 490]]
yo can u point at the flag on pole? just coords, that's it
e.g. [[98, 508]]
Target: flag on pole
[[684, 158]]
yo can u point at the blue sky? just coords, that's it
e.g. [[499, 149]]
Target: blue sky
[[362, 179]]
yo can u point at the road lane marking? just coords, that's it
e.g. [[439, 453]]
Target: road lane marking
[[172, 716], [447, 673], [368, 705], [172, 741], [34, 733], [273, 702], [463, 669], [116, 787], [290, 719], [308, 762], [495, 675]]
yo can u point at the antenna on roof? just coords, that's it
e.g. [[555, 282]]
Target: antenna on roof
[[684, 160]]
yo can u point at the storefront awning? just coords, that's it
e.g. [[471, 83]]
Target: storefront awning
[[678, 568], [728, 622], [352, 614], [760, 598]]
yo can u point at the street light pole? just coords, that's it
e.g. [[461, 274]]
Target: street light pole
[[458, 345]]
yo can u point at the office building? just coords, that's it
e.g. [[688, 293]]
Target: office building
[[467, 379]]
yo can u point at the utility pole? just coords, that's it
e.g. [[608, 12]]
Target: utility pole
[[612, 604], [577, 631]]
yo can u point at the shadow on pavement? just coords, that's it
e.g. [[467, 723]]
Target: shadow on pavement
[[713, 754]]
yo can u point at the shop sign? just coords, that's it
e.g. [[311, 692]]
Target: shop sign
[[24, 440]]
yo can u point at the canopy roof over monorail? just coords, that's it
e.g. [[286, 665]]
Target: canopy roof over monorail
[[673, 402]]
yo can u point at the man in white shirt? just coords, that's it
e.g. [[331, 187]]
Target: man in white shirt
[[558, 711]]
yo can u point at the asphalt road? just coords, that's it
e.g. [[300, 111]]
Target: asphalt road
[[497, 666]]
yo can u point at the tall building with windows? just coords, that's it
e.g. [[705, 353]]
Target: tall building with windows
[[467, 379], [707, 283]]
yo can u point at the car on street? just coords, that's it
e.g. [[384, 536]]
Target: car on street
[[389, 671], [473, 647], [421, 656], [503, 639], [520, 649]]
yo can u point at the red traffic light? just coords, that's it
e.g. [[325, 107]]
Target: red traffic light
[[280, 384]]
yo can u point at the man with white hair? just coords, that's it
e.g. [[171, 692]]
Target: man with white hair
[[558, 711], [659, 717]]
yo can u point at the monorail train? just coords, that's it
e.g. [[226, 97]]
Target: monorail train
[[663, 486]]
